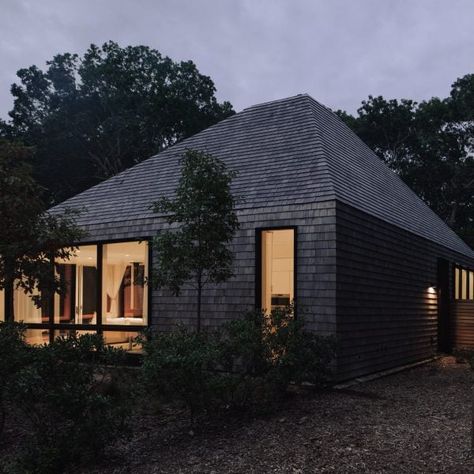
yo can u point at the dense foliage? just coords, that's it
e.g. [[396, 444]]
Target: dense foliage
[[430, 145], [197, 251], [92, 116], [71, 409], [249, 363], [29, 238], [13, 358]]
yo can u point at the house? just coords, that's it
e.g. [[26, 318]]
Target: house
[[324, 222]]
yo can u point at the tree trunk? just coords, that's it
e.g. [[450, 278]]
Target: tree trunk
[[199, 293]]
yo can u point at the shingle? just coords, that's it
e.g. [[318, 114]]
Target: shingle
[[289, 151]]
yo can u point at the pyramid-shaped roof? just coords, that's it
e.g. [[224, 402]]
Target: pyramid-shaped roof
[[289, 151]]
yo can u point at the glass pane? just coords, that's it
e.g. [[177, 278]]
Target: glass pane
[[37, 337], [457, 283], [25, 309], [70, 332], [124, 293], [471, 285], [464, 284], [277, 268], [2, 305], [122, 339], [78, 305]]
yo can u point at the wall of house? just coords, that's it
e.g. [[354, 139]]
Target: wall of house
[[316, 267], [462, 328], [386, 314]]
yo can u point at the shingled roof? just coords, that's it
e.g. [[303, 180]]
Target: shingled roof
[[289, 151]]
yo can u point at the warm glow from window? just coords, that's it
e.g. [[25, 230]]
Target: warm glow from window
[[124, 293], [457, 284], [471, 285], [122, 339], [464, 284], [278, 264], [37, 337], [25, 309], [2, 305], [78, 305]]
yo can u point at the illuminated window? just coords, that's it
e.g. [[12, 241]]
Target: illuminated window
[[37, 337], [2, 305], [26, 310], [471, 285], [277, 268], [124, 293], [457, 283], [463, 283], [78, 304], [123, 339]]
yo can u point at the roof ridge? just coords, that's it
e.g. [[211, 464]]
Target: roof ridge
[[276, 101]]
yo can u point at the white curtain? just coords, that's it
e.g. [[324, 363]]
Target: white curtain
[[113, 278]]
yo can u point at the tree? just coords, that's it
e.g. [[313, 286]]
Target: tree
[[430, 145], [30, 238], [204, 210], [93, 116]]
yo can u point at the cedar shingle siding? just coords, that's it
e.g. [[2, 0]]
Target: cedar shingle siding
[[367, 249]]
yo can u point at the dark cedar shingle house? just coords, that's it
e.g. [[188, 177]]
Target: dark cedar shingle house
[[324, 222]]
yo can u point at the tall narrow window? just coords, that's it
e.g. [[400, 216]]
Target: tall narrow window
[[2, 305], [78, 304], [124, 293], [463, 284], [277, 268], [457, 282], [471, 285]]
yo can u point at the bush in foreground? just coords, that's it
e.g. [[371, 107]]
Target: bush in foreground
[[71, 410], [250, 362]]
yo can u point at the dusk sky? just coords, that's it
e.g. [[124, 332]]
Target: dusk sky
[[338, 51]]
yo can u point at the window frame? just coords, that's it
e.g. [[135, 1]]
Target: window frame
[[258, 263], [99, 327]]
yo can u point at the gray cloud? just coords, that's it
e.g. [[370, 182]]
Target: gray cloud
[[339, 51]]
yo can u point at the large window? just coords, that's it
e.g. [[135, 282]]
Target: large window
[[105, 291], [124, 293], [277, 268], [463, 283]]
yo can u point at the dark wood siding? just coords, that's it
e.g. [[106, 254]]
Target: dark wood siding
[[387, 315], [316, 272], [462, 312]]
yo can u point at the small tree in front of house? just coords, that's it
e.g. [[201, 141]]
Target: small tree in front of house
[[30, 238], [196, 251]]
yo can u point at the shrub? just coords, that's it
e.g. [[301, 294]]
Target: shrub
[[248, 363], [70, 406], [179, 365], [267, 352], [13, 357]]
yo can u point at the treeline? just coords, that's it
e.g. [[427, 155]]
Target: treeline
[[89, 117], [430, 145]]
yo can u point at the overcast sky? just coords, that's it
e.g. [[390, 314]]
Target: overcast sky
[[339, 51]]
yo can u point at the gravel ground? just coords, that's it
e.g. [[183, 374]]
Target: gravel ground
[[414, 421]]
